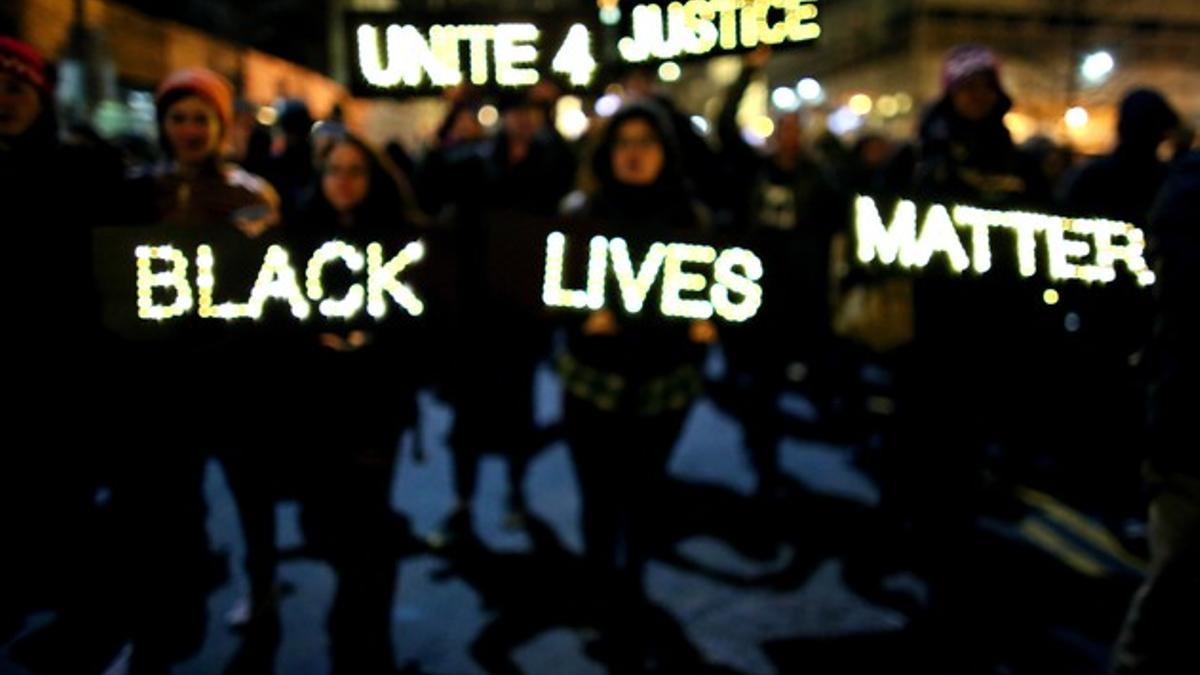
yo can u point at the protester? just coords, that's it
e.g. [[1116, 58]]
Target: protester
[[629, 382], [56, 464], [160, 487], [352, 439], [1157, 637]]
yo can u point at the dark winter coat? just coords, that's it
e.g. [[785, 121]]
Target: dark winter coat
[[649, 365], [1174, 357]]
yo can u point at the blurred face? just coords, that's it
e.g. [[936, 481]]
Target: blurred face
[[975, 97], [545, 94], [875, 153], [193, 130], [345, 178], [638, 84], [466, 127], [788, 136], [523, 123], [637, 155], [1056, 164], [20, 105]]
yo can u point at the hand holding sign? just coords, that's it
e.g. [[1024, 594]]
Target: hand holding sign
[[702, 332], [758, 58], [252, 221], [357, 339], [600, 322]]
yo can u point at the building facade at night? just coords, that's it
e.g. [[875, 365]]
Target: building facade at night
[[886, 48], [111, 57], [886, 51]]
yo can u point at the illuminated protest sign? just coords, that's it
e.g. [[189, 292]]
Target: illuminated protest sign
[[153, 279], [183, 276], [213, 283], [277, 281], [397, 54], [660, 30], [734, 295], [1079, 249]]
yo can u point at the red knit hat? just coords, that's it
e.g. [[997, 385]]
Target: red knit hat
[[23, 60], [202, 82]]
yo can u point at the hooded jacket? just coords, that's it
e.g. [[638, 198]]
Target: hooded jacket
[[975, 161], [1174, 364], [1123, 184], [649, 365]]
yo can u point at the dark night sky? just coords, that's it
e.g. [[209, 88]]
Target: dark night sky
[[296, 29], [292, 29]]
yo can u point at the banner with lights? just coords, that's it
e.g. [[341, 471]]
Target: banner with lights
[[659, 272], [959, 239], [409, 54], [155, 281], [674, 30], [398, 55], [162, 282]]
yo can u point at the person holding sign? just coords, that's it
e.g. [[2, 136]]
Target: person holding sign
[[351, 454], [629, 380], [57, 457], [160, 487], [196, 185], [973, 396]]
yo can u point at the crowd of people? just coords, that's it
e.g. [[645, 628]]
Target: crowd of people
[[988, 386]]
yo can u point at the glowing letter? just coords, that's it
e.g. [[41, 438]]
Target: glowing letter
[[938, 234], [148, 280], [796, 18], [352, 303], [1131, 254], [369, 59], [648, 32], [777, 32], [981, 246], [751, 13], [676, 281], [206, 281], [634, 289], [277, 279], [727, 9], [885, 243], [478, 37], [574, 57], [727, 279], [509, 54], [553, 293], [699, 19], [381, 278]]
